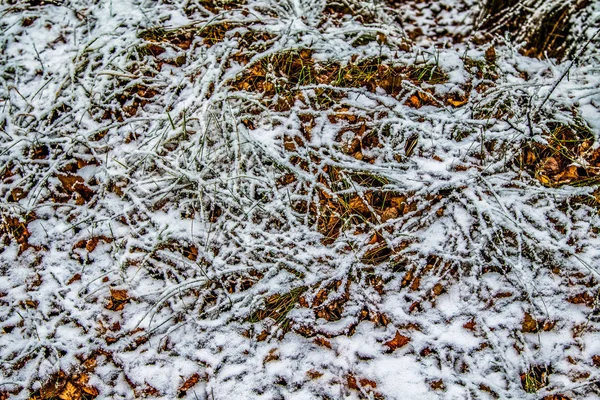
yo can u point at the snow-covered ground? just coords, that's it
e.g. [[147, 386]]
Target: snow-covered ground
[[294, 199]]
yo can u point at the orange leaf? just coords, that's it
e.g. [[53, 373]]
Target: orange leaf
[[457, 103], [414, 101], [118, 299], [191, 381], [119, 295], [70, 392], [568, 174], [398, 341], [582, 298], [351, 382], [322, 342], [529, 324], [367, 382]]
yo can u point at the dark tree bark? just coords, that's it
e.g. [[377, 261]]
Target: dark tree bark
[[544, 26]]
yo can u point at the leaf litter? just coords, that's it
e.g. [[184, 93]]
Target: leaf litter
[[293, 200]]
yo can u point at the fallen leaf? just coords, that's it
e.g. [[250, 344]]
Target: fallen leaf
[[437, 385], [398, 341], [457, 102], [322, 342], [551, 166], [314, 374], [544, 180], [416, 284], [356, 204], [390, 213], [351, 380], [17, 194], [548, 326], [189, 383], [569, 174], [582, 298], [91, 244], [70, 392], [414, 101], [367, 382], [118, 299], [490, 55], [76, 277], [272, 356], [470, 325], [408, 277], [437, 289], [119, 295], [529, 324], [75, 184], [90, 391]]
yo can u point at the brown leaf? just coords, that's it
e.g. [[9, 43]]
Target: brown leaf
[[147, 391], [90, 391], [322, 342], [570, 173], [390, 213], [70, 392], [80, 244], [75, 184], [551, 166], [376, 238], [437, 289], [17, 194], [398, 341], [351, 380], [529, 324], [272, 356], [191, 253], [356, 204], [91, 244], [437, 385], [314, 374], [582, 298], [90, 364], [490, 55], [189, 383], [471, 325], [367, 382], [416, 284], [119, 295], [548, 326], [118, 299]]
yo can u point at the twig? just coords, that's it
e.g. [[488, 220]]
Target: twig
[[566, 71]]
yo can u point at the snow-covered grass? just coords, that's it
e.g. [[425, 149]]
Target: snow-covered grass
[[293, 199]]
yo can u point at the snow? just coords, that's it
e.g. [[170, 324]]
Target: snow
[[189, 217]]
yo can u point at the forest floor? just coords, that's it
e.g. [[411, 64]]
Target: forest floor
[[294, 199]]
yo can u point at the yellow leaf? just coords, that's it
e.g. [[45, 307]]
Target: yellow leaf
[[70, 392]]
